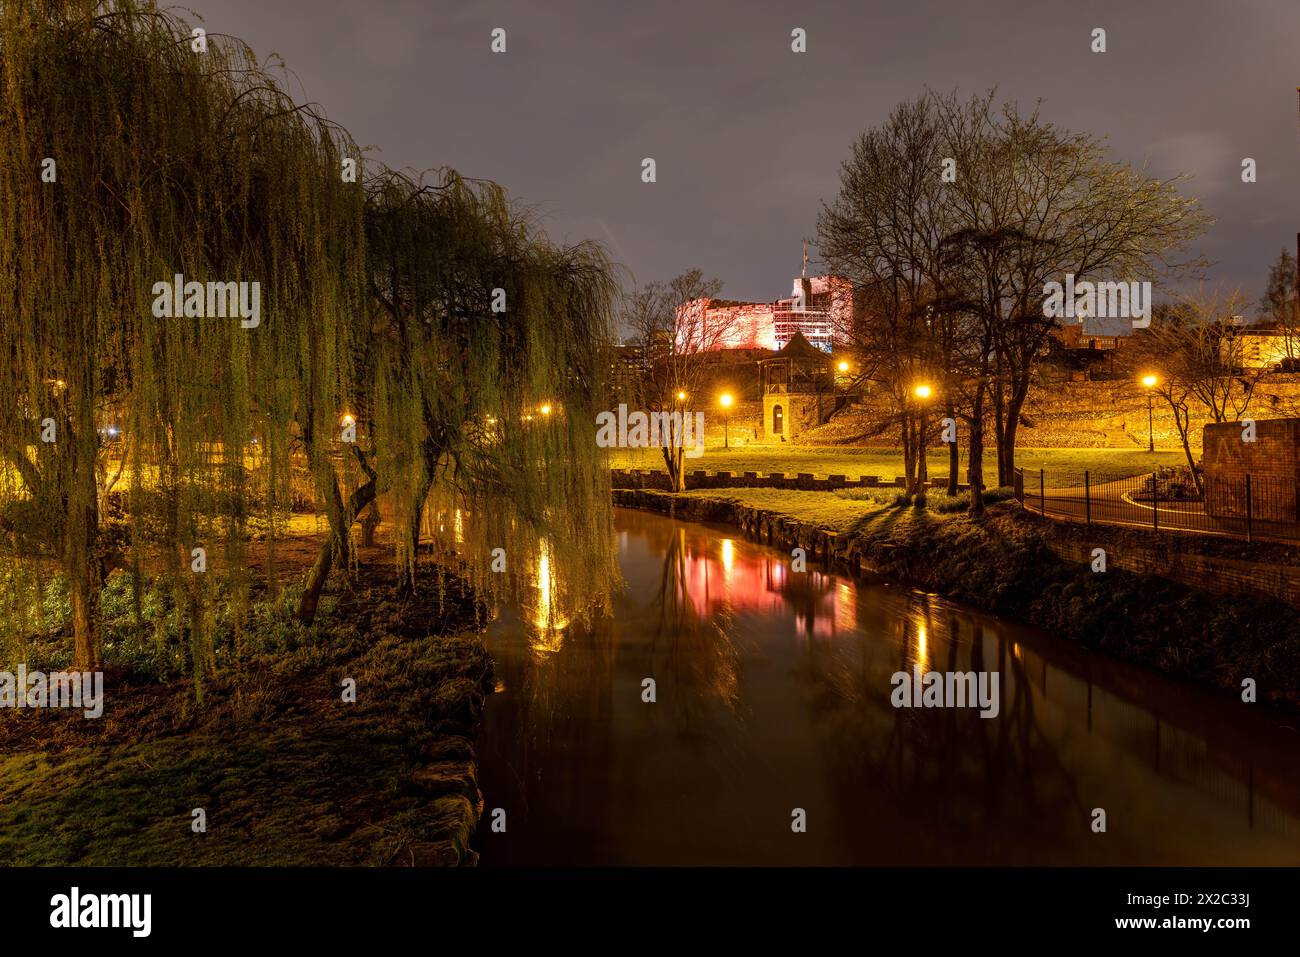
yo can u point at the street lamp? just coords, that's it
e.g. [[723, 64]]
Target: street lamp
[[922, 391], [545, 409], [843, 367], [1150, 381], [725, 401]]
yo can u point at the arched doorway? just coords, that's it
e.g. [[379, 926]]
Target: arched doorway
[[778, 420]]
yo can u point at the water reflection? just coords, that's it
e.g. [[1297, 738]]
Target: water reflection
[[772, 692], [548, 621]]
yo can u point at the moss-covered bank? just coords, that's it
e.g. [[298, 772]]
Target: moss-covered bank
[[1005, 563], [286, 771]]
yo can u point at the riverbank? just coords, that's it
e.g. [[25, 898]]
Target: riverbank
[[853, 461], [1007, 564], [287, 767]]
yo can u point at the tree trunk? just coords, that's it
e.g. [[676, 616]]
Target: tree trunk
[[1007, 455], [336, 546], [369, 522], [922, 459], [406, 571], [673, 459], [999, 426], [85, 572], [1184, 424], [909, 455], [954, 454], [976, 454]]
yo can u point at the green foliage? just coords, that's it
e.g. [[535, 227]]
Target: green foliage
[[182, 432], [274, 757]]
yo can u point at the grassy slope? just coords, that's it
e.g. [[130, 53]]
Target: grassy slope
[[888, 463], [287, 772]]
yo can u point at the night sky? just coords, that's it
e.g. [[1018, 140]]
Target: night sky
[[748, 136]]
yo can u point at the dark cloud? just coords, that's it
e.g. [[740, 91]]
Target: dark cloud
[[748, 136]]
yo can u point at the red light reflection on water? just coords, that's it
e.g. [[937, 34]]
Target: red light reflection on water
[[730, 576]]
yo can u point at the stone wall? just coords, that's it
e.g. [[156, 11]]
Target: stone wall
[[1176, 558], [803, 481], [802, 412], [1272, 461]]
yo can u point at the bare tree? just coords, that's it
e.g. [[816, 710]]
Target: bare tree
[[1196, 359], [885, 232], [675, 336], [1036, 203]]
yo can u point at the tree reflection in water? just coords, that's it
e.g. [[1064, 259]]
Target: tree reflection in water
[[773, 692], [692, 655]]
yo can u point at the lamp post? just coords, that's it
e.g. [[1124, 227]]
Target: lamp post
[[1150, 382], [725, 401], [923, 391]]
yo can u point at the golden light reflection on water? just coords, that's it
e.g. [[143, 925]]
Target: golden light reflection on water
[[728, 557], [547, 619], [732, 668]]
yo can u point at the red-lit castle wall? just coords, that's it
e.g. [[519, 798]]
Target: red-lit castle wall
[[729, 325], [726, 324]]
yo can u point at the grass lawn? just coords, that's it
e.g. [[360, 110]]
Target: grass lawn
[[887, 463], [824, 509], [844, 510], [287, 772]]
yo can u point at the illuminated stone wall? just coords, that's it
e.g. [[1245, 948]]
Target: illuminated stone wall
[[1272, 461]]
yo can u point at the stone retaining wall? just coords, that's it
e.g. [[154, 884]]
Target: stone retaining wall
[[1166, 556], [803, 481]]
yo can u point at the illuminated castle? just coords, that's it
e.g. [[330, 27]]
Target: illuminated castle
[[819, 307]]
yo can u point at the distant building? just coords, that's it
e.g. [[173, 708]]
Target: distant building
[[1261, 346], [626, 371], [798, 390], [817, 308]]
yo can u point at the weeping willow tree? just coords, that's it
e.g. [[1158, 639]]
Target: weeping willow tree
[[135, 156], [131, 153], [477, 376]]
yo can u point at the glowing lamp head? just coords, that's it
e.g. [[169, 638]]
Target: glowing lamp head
[[844, 367], [681, 396], [725, 400], [545, 409], [1150, 381], [348, 420], [922, 391]]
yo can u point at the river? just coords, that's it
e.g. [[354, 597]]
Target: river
[[773, 696]]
